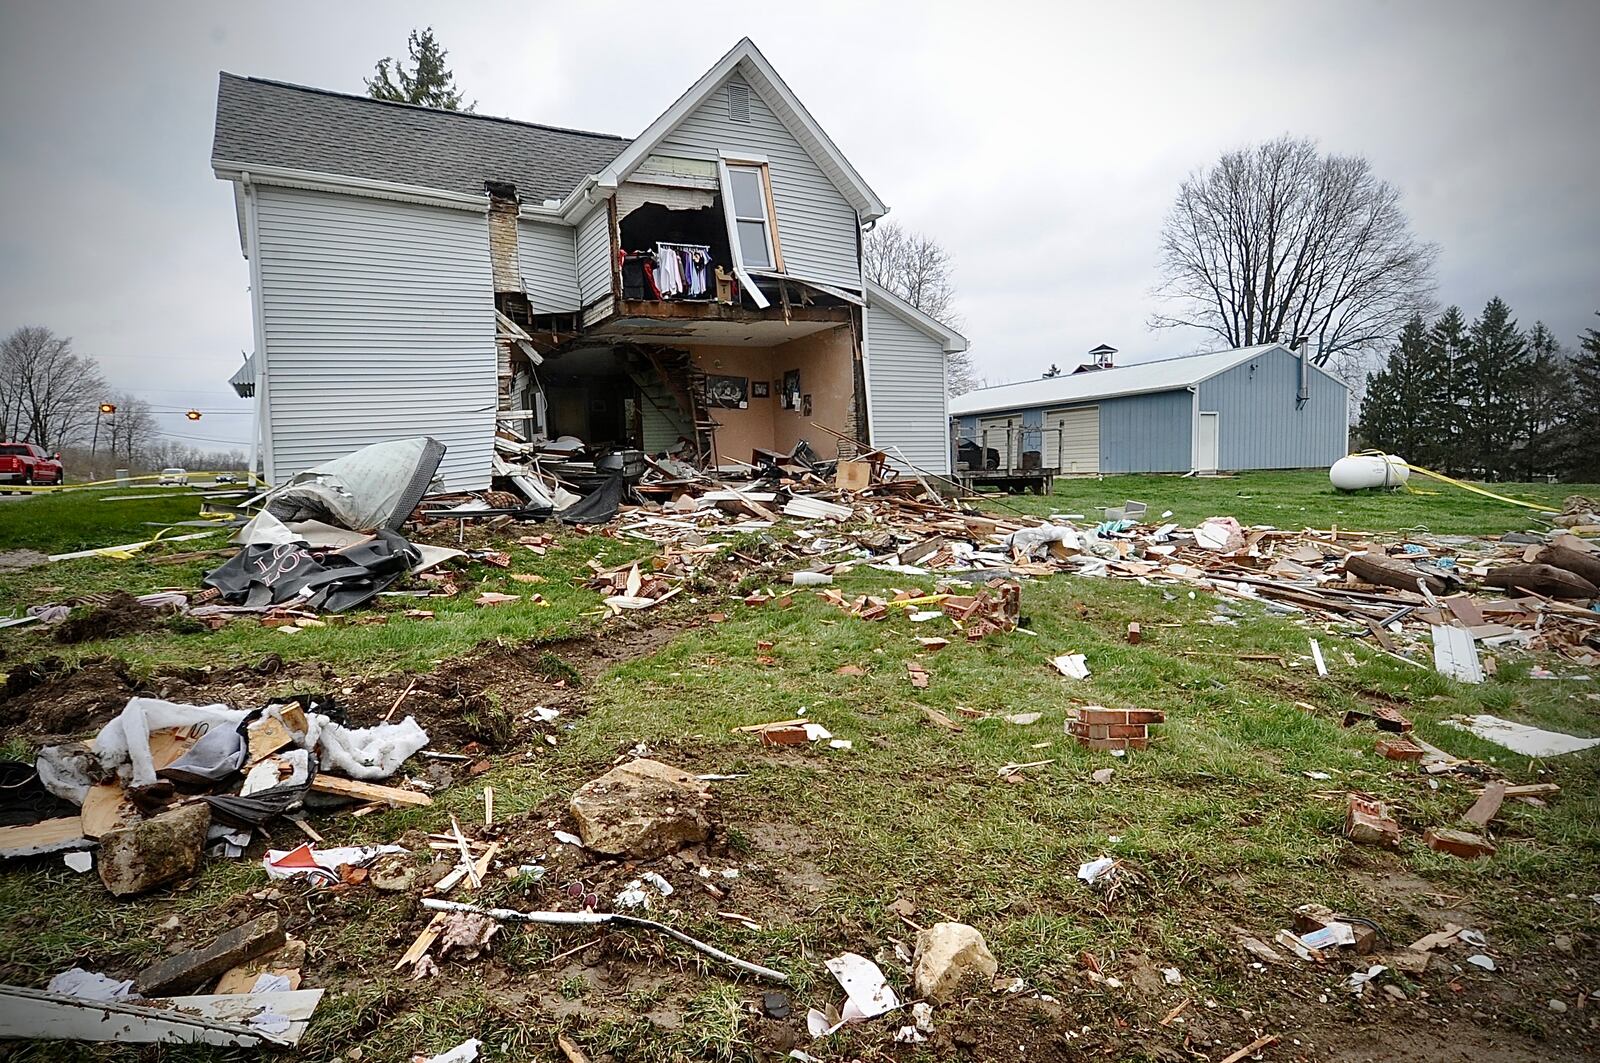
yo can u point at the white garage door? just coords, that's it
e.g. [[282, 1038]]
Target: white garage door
[[1077, 435], [997, 434]]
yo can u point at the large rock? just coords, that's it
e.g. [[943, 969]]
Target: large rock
[[949, 955], [641, 809], [154, 852]]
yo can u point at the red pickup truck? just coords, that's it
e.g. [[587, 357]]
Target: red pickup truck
[[24, 463]]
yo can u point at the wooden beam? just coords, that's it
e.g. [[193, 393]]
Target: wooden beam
[[366, 791]]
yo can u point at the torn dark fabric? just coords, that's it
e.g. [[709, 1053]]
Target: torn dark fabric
[[599, 505], [261, 575], [23, 798], [257, 809]]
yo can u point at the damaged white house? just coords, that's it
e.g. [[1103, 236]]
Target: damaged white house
[[697, 289]]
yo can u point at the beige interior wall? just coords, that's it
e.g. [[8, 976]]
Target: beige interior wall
[[827, 374], [742, 430]]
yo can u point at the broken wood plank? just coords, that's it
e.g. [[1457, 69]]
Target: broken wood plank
[[1487, 806], [106, 808], [366, 791], [46, 836], [1537, 789], [1252, 1048], [423, 942], [189, 969]]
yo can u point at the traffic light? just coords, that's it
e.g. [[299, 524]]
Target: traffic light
[[108, 407], [193, 415]]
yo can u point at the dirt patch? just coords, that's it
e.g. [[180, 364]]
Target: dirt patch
[[120, 615], [21, 560]]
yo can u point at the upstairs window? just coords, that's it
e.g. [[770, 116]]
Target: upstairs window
[[749, 191]]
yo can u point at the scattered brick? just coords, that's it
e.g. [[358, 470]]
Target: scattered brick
[[1399, 749], [1460, 843], [1367, 822], [1135, 633], [784, 736], [1098, 727]]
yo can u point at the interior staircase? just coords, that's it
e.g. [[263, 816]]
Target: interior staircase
[[668, 380]]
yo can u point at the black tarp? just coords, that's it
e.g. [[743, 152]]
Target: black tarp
[[599, 505], [262, 575]]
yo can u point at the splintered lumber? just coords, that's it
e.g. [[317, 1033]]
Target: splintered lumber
[[366, 791], [1542, 579], [424, 941], [1252, 1048], [46, 836], [1401, 575], [1487, 805], [1574, 561], [1537, 789]]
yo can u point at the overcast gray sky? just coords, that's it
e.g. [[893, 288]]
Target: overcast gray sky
[[1041, 143]]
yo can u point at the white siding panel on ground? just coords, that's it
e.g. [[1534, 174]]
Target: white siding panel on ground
[[548, 254], [906, 396], [379, 324], [1077, 435], [816, 224]]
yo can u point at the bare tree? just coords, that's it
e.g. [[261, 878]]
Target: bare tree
[[1279, 241], [131, 432], [52, 393], [918, 269]]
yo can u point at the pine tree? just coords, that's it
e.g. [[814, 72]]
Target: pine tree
[[1496, 369], [1443, 411], [430, 84], [1582, 451], [1395, 411], [1545, 405]]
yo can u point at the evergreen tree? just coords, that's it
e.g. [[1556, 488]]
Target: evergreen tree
[[1395, 411], [1443, 410], [1496, 369], [1582, 450], [1545, 405], [429, 84]]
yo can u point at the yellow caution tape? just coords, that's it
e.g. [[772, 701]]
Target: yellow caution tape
[[1456, 483], [250, 480], [926, 599]]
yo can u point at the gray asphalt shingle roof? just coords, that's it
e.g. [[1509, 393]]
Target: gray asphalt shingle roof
[[271, 123]]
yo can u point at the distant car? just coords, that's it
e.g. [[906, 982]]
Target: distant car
[[173, 478], [24, 464], [227, 478]]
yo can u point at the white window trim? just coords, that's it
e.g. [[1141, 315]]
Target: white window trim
[[733, 233], [765, 220]]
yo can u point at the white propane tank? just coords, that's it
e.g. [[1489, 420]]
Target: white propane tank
[[1356, 472]]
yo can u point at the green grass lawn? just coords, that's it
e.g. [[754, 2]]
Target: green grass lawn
[[1218, 824], [81, 520], [1301, 499]]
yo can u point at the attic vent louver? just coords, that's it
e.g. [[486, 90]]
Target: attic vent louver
[[738, 102]]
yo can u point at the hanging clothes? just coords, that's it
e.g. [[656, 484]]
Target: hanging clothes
[[669, 271]]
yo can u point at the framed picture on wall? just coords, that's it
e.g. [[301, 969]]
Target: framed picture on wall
[[805, 405], [760, 389], [728, 392], [791, 389]]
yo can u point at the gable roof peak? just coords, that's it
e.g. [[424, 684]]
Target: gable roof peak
[[747, 59]]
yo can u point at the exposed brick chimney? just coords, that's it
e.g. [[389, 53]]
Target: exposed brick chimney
[[503, 262]]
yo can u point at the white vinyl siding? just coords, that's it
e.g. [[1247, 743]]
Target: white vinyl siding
[[379, 324], [1077, 434], [594, 264], [816, 224], [549, 266], [906, 393]]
